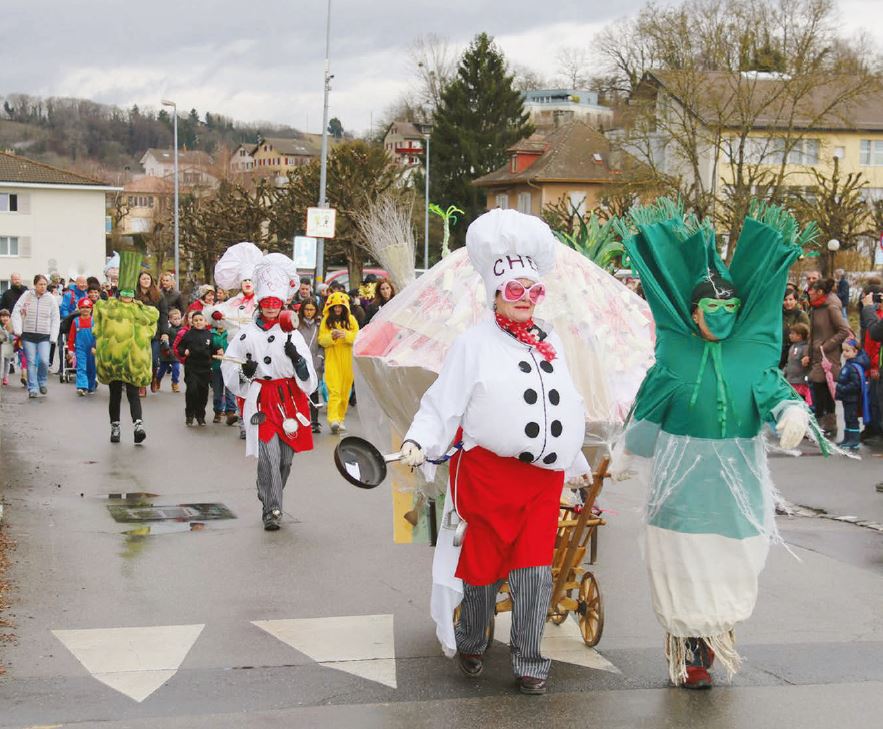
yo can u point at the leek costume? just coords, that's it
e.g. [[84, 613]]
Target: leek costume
[[338, 359], [698, 415], [123, 357], [274, 382], [506, 394]]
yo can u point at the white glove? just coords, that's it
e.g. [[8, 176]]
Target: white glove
[[792, 427], [412, 454]]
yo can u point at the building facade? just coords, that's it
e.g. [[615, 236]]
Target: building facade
[[195, 169], [550, 108], [277, 156]]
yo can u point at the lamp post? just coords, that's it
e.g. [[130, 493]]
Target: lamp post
[[323, 170], [426, 129], [166, 102]]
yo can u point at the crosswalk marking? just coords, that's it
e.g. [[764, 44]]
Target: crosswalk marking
[[560, 643], [362, 645], [133, 661]]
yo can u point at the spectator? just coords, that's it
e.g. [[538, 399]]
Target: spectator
[[205, 297], [385, 292], [220, 296], [308, 327], [6, 345], [197, 350], [791, 314], [148, 294], [36, 320], [811, 278], [224, 403], [170, 294], [852, 391], [305, 294], [356, 308], [795, 371], [871, 313], [842, 290], [11, 296], [828, 331]]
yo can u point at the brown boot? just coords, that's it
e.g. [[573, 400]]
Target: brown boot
[[142, 392], [176, 387], [154, 385]]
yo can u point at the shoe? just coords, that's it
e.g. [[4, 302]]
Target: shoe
[[32, 394], [81, 392], [851, 440], [140, 435], [879, 487], [176, 387], [470, 664], [217, 418], [273, 521], [154, 385], [700, 658], [43, 389], [698, 677], [232, 418], [142, 392], [200, 421], [115, 432], [241, 435], [188, 421], [335, 428], [5, 380], [317, 428], [342, 427], [532, 686]]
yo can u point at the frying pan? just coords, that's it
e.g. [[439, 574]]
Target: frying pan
[[360, 463]]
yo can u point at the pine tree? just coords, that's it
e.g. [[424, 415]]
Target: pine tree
[[480, 115]]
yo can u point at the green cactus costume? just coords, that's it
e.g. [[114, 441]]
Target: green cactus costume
[[123, 331], [699, 414]]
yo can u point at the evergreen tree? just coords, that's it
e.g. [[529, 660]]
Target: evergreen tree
[[479, 116]]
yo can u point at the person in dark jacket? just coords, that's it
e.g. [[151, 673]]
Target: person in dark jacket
[[148, 294], [308, 326], [171, 295], [791, 314], [852, 391], [167, 360], [197, 350], [11, 296], [842, 289]]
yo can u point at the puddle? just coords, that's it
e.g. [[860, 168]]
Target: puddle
[[142, 510]]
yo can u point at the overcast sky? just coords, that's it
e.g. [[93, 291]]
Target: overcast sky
[[264, 61]]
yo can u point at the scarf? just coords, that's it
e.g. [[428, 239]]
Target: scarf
[[816, 301], [526, 333]]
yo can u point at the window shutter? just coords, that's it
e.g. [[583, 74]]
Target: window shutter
[[24, 246], [24, 203]]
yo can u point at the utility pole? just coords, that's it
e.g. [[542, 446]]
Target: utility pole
[[323, 174], [166, 102]]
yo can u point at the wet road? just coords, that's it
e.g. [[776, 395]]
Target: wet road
[[325, 623]]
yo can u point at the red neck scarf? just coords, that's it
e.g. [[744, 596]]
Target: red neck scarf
[[522, 332], [820, 300]]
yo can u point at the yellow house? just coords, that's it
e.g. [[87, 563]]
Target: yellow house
[[276, 156]]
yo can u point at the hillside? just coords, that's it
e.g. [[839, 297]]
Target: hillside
[[102, 140]]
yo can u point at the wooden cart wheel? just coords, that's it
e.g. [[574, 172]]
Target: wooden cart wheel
[[559, 617], [591, 610]]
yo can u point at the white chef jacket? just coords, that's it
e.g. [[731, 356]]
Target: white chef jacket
[[237, 310], [267, 348]]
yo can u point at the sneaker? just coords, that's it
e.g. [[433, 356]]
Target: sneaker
[[200, 421], [188, 421], [273, 521], [32, 394], [154, 385], [217, 418], [140, 435], [115, 432], [335, 428], [532, 686], [317, 428], [5, 380], [341, 427], [142, 392], [81, 392], [43, 389], [176, 387], [698, 677], [241, 435], [232, 418]]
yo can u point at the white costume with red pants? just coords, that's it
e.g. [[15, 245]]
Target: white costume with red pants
[[521, 421]]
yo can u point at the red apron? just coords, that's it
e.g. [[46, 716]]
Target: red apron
[[281, 392], [511, 509]]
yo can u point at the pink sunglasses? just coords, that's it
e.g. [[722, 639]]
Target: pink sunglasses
[[514, 290]]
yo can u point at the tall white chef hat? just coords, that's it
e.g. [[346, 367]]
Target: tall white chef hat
[[505, 244], [237, 264], [274, 276]]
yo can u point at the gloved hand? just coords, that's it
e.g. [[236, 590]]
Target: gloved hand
[[791, 426], [249, 368], [298, 360], [412, 454]]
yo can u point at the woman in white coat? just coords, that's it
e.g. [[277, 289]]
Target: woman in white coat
[[505, 395]]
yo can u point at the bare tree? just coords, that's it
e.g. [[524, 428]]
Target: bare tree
[[573, 66], [433, 61], [527, 79]]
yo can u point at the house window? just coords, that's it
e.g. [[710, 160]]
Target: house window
[[524, 202], [577, 201], [8, 202], [871, 152], [502, 201], [8, 245], [804, 152], [872, 194], [514, 164]]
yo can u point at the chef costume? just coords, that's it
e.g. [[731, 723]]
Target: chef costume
[[698, 421], [279, 386], [505, 393], [81, 341]]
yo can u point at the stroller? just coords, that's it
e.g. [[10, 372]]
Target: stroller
[[67, 366]]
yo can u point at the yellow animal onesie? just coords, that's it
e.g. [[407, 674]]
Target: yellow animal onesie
[[338, 359]]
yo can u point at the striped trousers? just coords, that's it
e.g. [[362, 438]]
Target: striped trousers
[[274, 465], [530, 589]]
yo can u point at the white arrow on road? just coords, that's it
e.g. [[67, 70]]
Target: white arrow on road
[[560, 643], [363, 645], [133, 661]]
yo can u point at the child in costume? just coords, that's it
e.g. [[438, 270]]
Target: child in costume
[[123, 330], [337, 332], [852, 391], [197, 352], [698, 416], [81, 341], [268, 365]]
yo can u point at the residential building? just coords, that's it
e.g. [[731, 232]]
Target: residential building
[[574, 162], [146, 201], [242, 159], [195, 168], [553, 107], [405, 143], [51, 220], [277, 156]]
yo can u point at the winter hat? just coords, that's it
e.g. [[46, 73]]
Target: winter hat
[[237, 265], [274, 277], [505, 245]]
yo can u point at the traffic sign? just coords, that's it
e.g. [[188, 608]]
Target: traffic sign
[[321, 222], [304, 252]]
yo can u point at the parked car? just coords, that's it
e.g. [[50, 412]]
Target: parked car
[[343, 276]]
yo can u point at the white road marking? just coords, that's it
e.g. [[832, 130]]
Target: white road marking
[[133, 661], [560, 643], [362, 645]]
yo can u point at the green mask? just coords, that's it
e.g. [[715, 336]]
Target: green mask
[[720, 315]]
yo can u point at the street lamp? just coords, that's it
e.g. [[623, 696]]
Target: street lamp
[[323, 170], [166, 102], [426, 129]]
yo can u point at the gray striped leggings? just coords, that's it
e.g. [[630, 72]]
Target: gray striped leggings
[[274, 465], [530, 589]]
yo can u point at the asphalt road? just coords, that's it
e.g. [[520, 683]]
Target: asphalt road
[[326, 623]]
